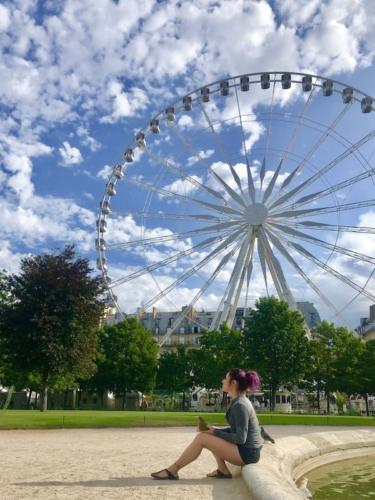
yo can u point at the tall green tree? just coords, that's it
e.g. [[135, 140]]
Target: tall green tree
[[175, 371], [3, 303], [334, 361], [50, 328], [365, 374], [127, 359], [219, 352], [275, 344]]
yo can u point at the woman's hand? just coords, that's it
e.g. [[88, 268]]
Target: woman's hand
[[211, 429]]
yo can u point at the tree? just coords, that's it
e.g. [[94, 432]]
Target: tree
[[174, 371], [275, 343], [3, 301], [127, 359], [365, 375], [50, 328], [335, 355], [220, 351]]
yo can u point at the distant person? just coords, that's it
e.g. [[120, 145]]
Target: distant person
[[239, 444]]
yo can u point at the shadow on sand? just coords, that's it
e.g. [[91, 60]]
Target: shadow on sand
[[221, 489]]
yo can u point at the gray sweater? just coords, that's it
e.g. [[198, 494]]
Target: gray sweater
[[244, 426]]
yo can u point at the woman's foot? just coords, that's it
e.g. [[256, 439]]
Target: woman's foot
[[218, 474], [164, 474]]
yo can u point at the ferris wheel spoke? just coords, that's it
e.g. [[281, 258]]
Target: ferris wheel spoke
[[337, 187], [262, 172], [295, 214], [221, 316], [324, 244], [185, 199], [276, 271], [329, 269], [315, 147], [288, 149], [244, 273], [164, 215], [320, 226], [225, 245], [232, 194], [216, 228], [271, 185], [250, 180], [210, 280], [350, 150], [281, 248], [173, 258], [180, 173], [262, 261], [222, 148]]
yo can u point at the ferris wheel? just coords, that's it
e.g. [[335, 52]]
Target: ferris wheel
[[252, 185]]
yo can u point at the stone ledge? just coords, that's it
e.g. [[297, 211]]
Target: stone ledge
[[281, 464]]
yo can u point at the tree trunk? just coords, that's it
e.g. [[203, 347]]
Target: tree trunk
[[328, 403], [9, 397], [102, 399], [29, 398], [123, 400], [44, 397], [366, 401], [74, 399], [79, 398], [273, 398], [65, 399], [318, 395]]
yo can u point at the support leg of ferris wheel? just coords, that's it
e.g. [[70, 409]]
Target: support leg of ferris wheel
[[249, 257], [235, 284], [276, 271]]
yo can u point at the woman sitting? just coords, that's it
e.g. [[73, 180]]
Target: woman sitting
[[239, 444]]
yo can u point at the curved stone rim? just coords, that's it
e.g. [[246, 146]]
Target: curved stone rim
[[282, 464]]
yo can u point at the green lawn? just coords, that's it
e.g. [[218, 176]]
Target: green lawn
[[32, 419]]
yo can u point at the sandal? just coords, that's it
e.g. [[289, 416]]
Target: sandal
[[169, 475], [220, 475]]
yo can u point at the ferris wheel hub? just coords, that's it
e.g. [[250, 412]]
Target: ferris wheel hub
[[256, 214]]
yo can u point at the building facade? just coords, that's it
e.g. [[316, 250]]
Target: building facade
[[188, 333], [366, 328]]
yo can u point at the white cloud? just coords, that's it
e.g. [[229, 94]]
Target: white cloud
[[297, 13], [124, 104], [255, 130], [41, 220], [185, 122], [105, 172], [87, 140], [4, 18], [183, 187], [192, 160], [70, 155]]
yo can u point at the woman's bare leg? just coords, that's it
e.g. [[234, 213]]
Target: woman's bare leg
[[221, 465], [221, 449]]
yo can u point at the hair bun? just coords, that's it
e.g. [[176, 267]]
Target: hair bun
[[253, 380]]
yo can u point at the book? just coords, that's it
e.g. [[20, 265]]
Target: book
[[202, 424]]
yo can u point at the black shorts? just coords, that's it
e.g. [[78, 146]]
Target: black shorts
[[249, 455]]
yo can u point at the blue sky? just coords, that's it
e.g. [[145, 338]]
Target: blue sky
[[79, 78]]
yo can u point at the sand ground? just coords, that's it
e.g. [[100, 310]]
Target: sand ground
[[113, 464]]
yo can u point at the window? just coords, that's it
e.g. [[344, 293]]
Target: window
[[196, 329]]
